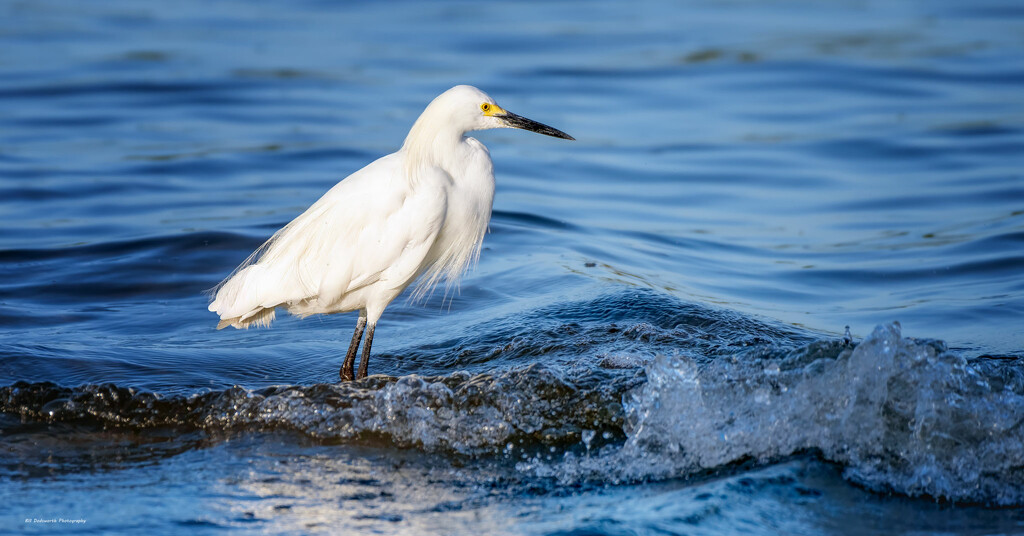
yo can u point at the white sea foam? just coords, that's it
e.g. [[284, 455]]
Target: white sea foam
[[898, 414]]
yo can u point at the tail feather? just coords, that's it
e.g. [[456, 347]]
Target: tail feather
[[270, 277], [260, 318], [238, 301]]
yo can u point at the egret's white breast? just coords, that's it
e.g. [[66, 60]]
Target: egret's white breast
[[470, 196]]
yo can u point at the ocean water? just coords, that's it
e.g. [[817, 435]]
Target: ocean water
[[655, 339]]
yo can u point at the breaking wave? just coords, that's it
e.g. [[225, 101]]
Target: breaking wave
[[898, 414]]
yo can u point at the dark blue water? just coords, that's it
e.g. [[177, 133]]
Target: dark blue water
[[653, 340]]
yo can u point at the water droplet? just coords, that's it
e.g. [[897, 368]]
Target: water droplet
[[588, 436]]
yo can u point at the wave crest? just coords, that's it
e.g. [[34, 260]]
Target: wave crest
[[899, 414]]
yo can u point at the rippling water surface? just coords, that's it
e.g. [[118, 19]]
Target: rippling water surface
[[653, 341]]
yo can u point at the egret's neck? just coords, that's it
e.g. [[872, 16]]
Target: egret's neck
[[431, 142]]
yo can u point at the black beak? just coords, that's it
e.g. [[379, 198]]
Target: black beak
[[517, 121]]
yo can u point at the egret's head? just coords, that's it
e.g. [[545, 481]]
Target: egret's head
[[468, 108]]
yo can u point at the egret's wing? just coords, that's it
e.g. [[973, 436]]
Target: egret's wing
[[391, 246], [374, 226], [289, 266]]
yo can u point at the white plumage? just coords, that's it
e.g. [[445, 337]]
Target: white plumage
[[421, 211]]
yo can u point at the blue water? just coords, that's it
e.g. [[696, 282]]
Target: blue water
[[653, 340]]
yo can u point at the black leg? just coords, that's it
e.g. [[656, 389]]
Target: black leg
[[364, 363], [348, 369]]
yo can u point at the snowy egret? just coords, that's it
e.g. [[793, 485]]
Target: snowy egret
[[420, 211]]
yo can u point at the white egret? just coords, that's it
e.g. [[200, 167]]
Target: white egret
[[421, 211]]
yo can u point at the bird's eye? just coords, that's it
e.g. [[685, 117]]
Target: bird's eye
[[485, 107]]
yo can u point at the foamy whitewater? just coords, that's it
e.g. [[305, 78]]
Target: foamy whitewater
[[899, 414]]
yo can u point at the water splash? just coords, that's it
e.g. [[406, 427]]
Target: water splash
[[899, 414]]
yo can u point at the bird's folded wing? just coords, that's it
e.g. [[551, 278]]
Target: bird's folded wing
[[390, 248]]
